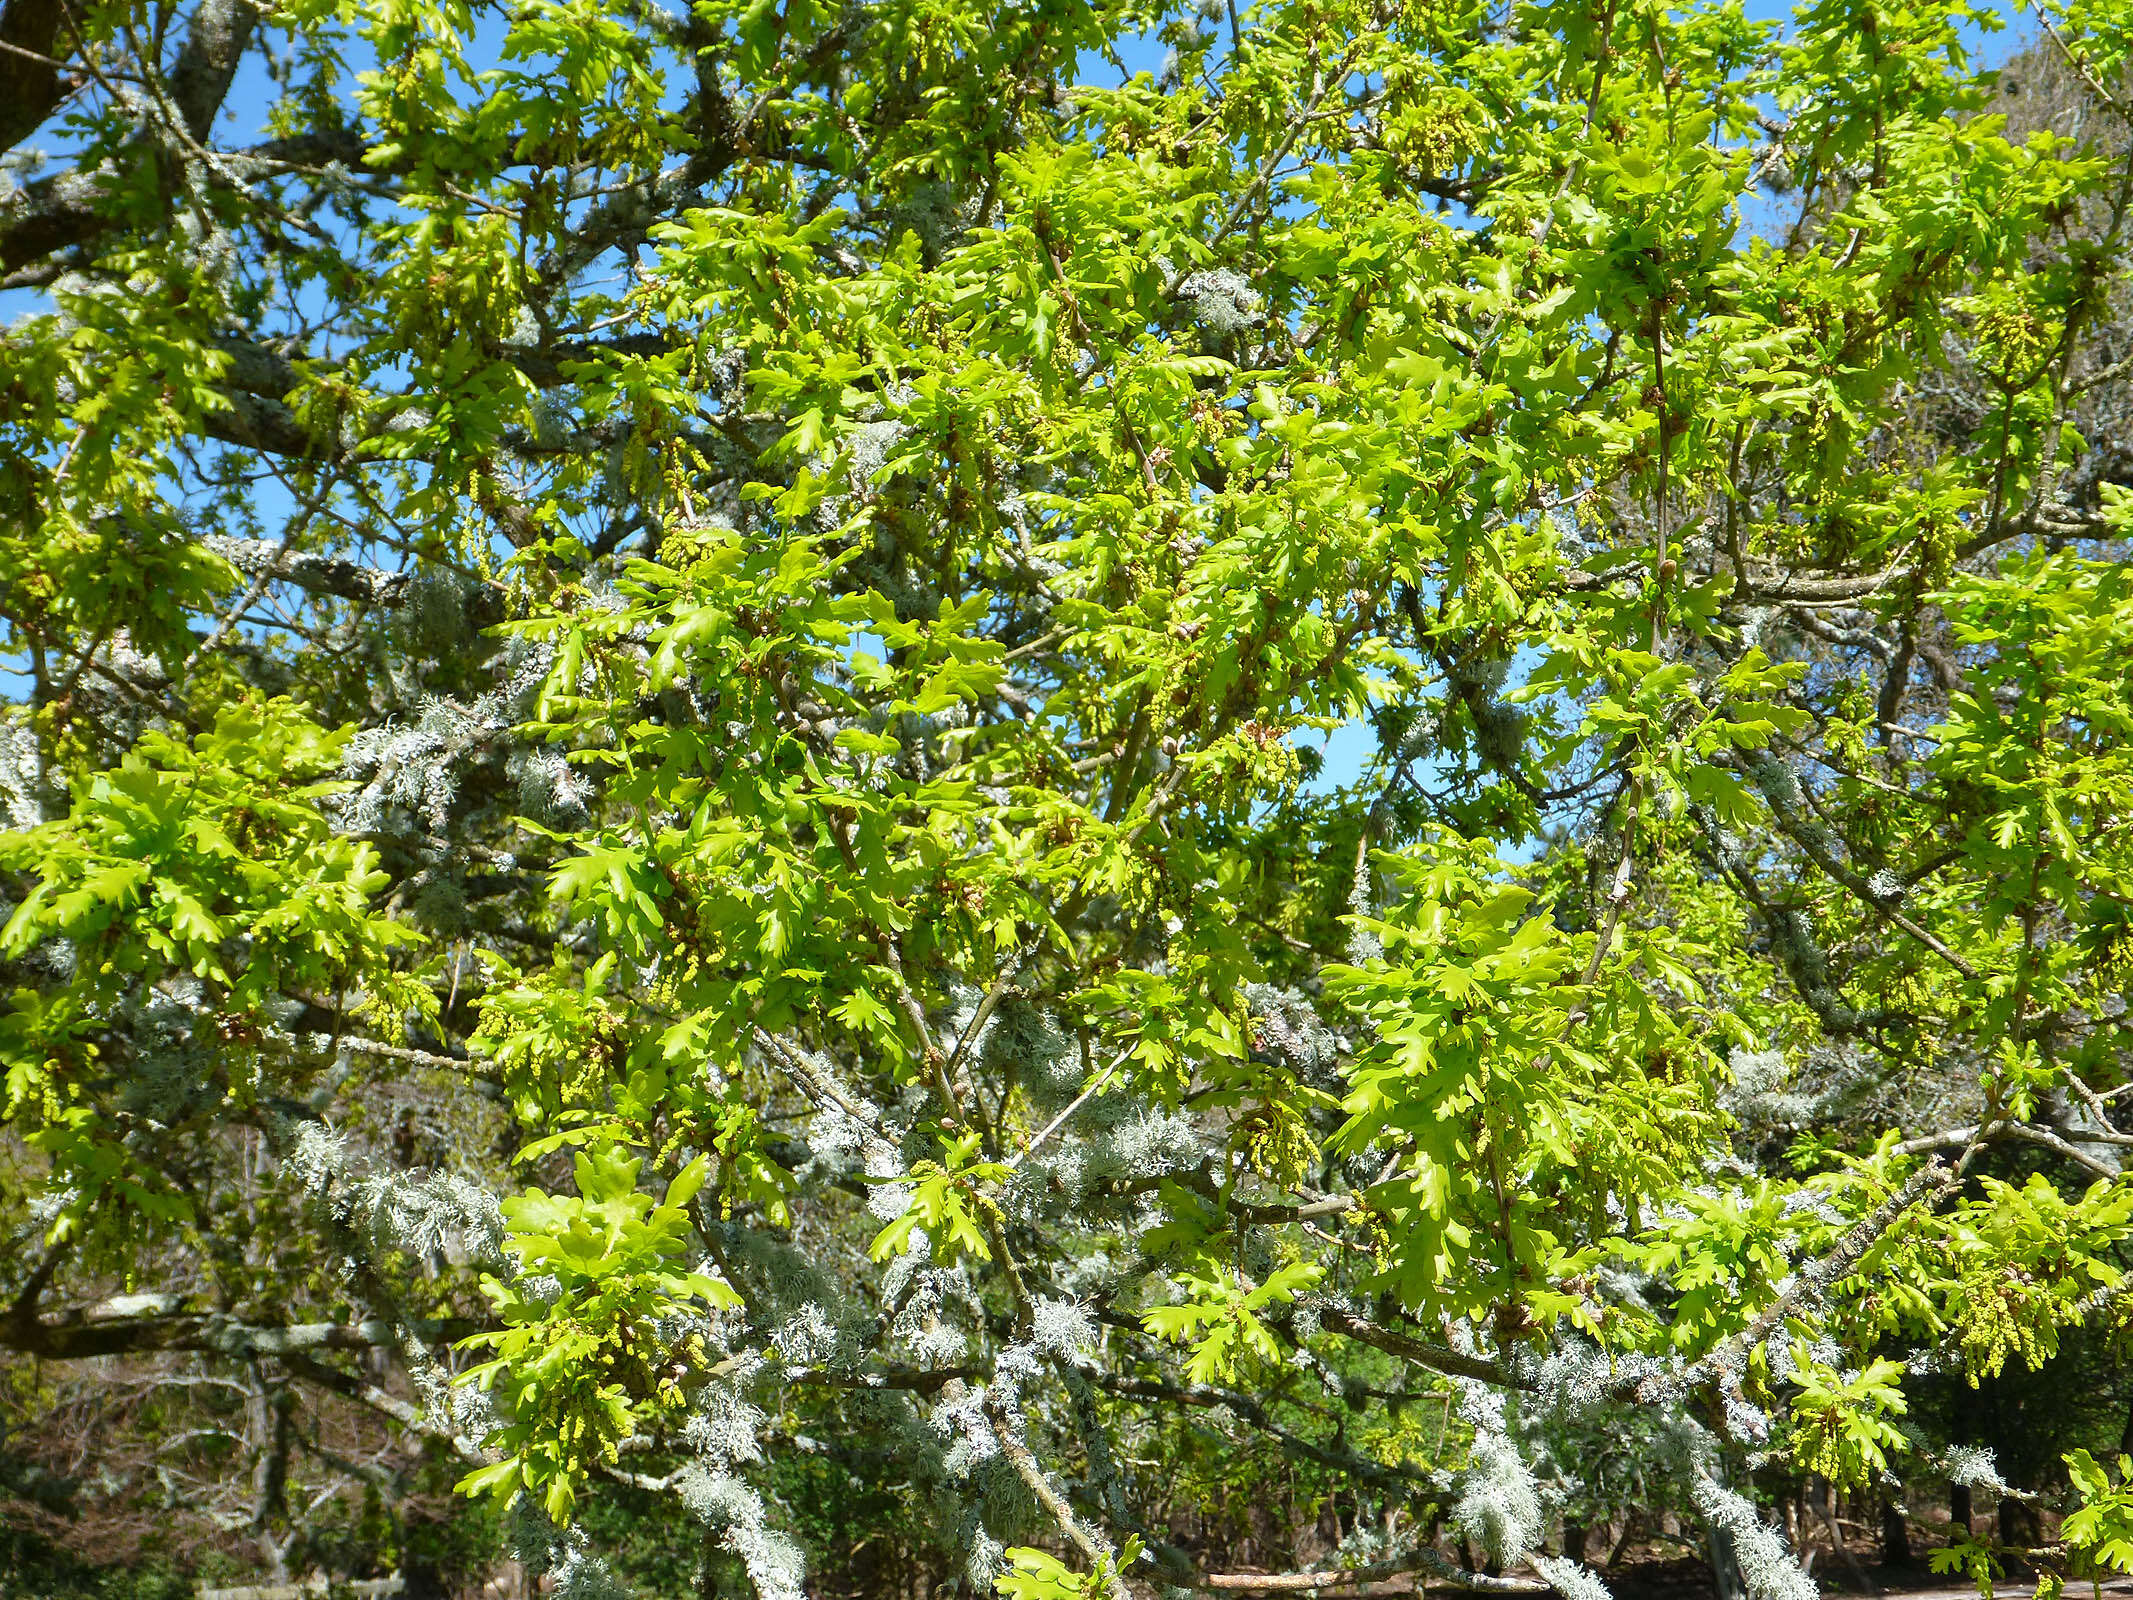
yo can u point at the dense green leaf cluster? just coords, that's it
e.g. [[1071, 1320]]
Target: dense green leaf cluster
[[671, 821]]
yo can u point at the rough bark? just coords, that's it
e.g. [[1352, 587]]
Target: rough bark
[[29, 89]]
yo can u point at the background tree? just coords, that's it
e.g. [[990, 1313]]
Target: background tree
[[667, 841]]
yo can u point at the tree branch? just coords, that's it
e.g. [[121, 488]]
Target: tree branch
[[1193, 1394], [1421, 1564], [2023, 1132], [1929, 1182], [115, 1329], [316, 574], [72, 208], [363, 1393], [1437, 1357], [30, 87], [1087, 1540]]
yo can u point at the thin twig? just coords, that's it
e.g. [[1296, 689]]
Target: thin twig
[[1079, 1100]]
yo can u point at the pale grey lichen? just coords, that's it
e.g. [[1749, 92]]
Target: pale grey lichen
[[773, 1561], [27, 794], [958, 1420], [1814, 1203], [1287, 1029], [1499, 1504], [1061, 1327], [563, 1554], [581, 1575], [867, 450], [406, 774], [1364, 946], [807, 1338], [1570, 1580], [1974, 1467], [888, 1201], [935, 1343], [550, 790], [1027, 1040], [1223, 302], [723, 1426], [1155, 1144], [986, 1561], [417, 1211], [1574, 1380], [1767, 1568]]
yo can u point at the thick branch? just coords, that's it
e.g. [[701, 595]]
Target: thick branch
[[200, 81], [29, 88], [2024, 1132], [923, 1380], [115, 1329], [315, 574], [1422, 1564], [1928, 1183], [1780, 788], [1437, 1357], [1250, 1411], [1792, 939], [364, 1393], [75, 207]]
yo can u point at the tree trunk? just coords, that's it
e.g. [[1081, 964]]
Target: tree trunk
[[1895, 1533], [2019, 1524], [1725, 1562], [1824, 1499], [1629, 1527], [1959, 1508], [1574, 1541], [707, 1574]]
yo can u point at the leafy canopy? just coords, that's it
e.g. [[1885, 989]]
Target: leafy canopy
[[678, 666]]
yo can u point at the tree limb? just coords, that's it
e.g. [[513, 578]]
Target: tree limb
[[1338, 1458], [363, 1393], [1434, 1356], [2023, 1132], [30, 88], [1421, 1564], [101, 1333]]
